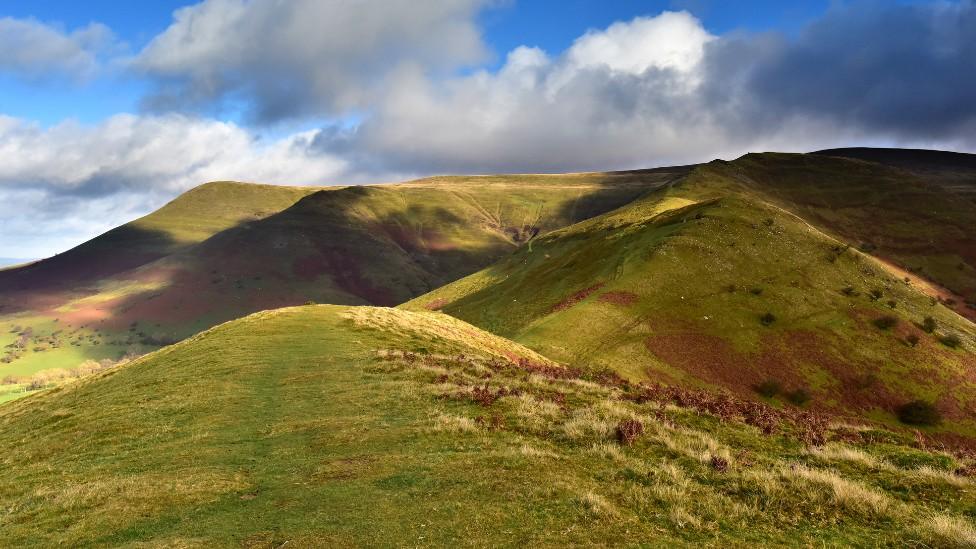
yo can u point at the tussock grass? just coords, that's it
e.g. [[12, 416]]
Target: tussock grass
[[851, 495], [950, 531], [841, 452], [455, 424]]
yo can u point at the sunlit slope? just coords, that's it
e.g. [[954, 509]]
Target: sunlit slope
[[710, 282], [189, 219], [388, 243], [909, 219], [337, 427], [381, 244]]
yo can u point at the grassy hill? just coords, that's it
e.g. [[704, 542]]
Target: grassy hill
[[906, 218], [743, 275], [955, 171], [339, 426], [225, 250], [189, 219]]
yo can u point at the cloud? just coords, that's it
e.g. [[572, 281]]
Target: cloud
[[660, 90], [62, 185], [672, 40], [285, 59], [35, 51], [907, 71], [622, 97]]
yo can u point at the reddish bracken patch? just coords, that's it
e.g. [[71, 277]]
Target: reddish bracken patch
[[486, 397], [624, 299], [628, 430], [782, 357], [810, 428], [577, 297], [436, 304], [707, 357]]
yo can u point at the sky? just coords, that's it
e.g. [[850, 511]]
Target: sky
[[110, 109]]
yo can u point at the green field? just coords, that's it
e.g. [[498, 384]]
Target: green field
[[311, 426]]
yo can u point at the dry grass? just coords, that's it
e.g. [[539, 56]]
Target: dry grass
[[598, 505], [609, 451], [950, 531], [530, 451], [926, 472], [848, 494], [455, 424], [841, 452]]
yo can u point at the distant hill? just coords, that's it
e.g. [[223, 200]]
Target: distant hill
[[956, 171], [189, 219], [224, 250]]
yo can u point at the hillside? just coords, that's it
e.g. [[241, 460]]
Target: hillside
[[225, 250], [740, 276], [337, 426], [955, 171], [908, 219], [189, 219]]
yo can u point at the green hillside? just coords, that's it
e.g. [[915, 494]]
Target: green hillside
[[189, 219], [225, 250], [335, 426], [714, 282], [909, 219]]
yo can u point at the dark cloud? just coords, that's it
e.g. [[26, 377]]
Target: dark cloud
[[905, 70], [865, 73]]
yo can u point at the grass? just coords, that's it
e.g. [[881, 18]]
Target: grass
[[718, 296], [356, 426], [905, 218]]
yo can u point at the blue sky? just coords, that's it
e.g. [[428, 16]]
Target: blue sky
[[109, 109]]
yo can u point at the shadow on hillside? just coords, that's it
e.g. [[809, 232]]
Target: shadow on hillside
[[619, 189], [357, 245], [115, 252]]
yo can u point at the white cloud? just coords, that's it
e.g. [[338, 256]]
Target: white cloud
[[662, 90], [62, 185], [36, 51], [671, 40], [297, 57], [622, 97]]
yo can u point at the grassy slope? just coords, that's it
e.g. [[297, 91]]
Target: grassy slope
[[68, 291], [357, 245], [290, 427], [954, 171], [672, 288], [189, 219], [909, 219]]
